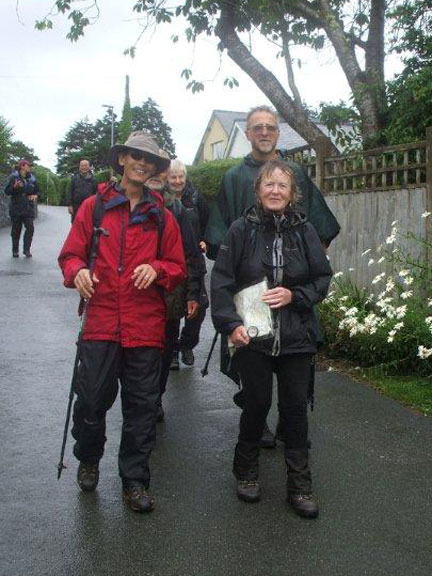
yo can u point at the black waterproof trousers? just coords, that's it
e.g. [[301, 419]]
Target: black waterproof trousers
[[293, 375], [171, 345], [102, 365], [189, 336], [17, 224]]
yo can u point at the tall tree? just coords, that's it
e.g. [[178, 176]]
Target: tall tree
[[149, 117], [125, 127], [355, 29], [85, 140]]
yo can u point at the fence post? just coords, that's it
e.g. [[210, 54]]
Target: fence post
[[322, 149], [429, 190]]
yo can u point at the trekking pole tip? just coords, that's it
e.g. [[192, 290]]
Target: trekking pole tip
[[60, 468]]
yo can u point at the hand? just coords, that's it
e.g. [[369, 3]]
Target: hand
[[18, 184], [192, 309], [203, 246], [70, 210], [239, 337], [84, 284], [277, 297], [32, 197], [144, 276]]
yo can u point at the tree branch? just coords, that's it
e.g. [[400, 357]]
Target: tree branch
[[289, 109], [290, 72]]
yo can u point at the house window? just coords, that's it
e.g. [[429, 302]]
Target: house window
[[217, 150]]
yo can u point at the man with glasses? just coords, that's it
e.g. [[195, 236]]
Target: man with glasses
[[139, 257], [237, 193]]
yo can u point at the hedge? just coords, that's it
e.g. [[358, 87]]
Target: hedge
[[208, 175]]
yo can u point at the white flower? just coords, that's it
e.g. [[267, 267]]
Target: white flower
[[366, 251], [401, 311], [343, 298], [337, 275], [381, 260], [378, 278], [351, 269], [406, 294], [429, 302], [398, 326], [428, 321], [352, 311], [425, 214], [330, 369], [424, 352], [408, 280], [390, 339], [371, 261], [391, 239], [389, 285], [404, 273], [393, 224]]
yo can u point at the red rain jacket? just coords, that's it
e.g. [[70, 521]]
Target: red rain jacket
[[118, 311]]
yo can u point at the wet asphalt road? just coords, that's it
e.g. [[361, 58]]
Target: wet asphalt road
[[371, 463]]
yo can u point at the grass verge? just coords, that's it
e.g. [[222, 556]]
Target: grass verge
[[412, 391]]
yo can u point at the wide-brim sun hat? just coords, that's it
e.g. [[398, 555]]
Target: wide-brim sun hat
[[144, 142]]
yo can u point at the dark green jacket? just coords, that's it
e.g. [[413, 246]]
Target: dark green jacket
[[236, 194]]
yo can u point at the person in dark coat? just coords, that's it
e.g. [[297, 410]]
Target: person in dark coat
[[183, 301], [82, 186], [23, 190], [272, 241], [198, 212], [140, 257], [236, 194]]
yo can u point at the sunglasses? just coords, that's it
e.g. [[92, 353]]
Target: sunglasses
[[138, 155], [271, 128]]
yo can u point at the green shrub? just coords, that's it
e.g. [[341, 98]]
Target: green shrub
[[208, 175], [48, 183]]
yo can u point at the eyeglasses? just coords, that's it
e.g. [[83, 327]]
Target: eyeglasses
[[271, 128], [138, 155]]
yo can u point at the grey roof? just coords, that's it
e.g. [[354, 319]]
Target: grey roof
[[228, 117]]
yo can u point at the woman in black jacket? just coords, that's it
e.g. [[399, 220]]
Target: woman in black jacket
[[23, 190], [274, 242]]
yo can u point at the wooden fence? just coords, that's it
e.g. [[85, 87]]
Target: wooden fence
[[368, 192]]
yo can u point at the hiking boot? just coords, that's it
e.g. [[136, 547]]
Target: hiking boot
[[160, 414], [175, 364], [138, 499], [88, 476], [304, 505], [28, 254], [187, 357], [268, 439], [248, 490]]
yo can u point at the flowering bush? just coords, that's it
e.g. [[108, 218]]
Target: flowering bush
[[390, 327]]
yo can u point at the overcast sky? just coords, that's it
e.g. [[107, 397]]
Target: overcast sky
[[48, 83]]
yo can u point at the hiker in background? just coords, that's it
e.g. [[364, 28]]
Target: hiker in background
[[183, 301], [82, 186], [236, 194], [23, 190], [197, 209]]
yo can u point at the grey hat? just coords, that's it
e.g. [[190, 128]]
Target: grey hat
[[144, 142]]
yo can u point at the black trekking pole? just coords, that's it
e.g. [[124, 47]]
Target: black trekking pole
[[204, 371], [93, 254]]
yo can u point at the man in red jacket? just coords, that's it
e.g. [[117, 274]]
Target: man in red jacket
[[139, 257]]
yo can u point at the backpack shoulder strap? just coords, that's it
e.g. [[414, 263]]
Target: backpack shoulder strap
[[98, 211]]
